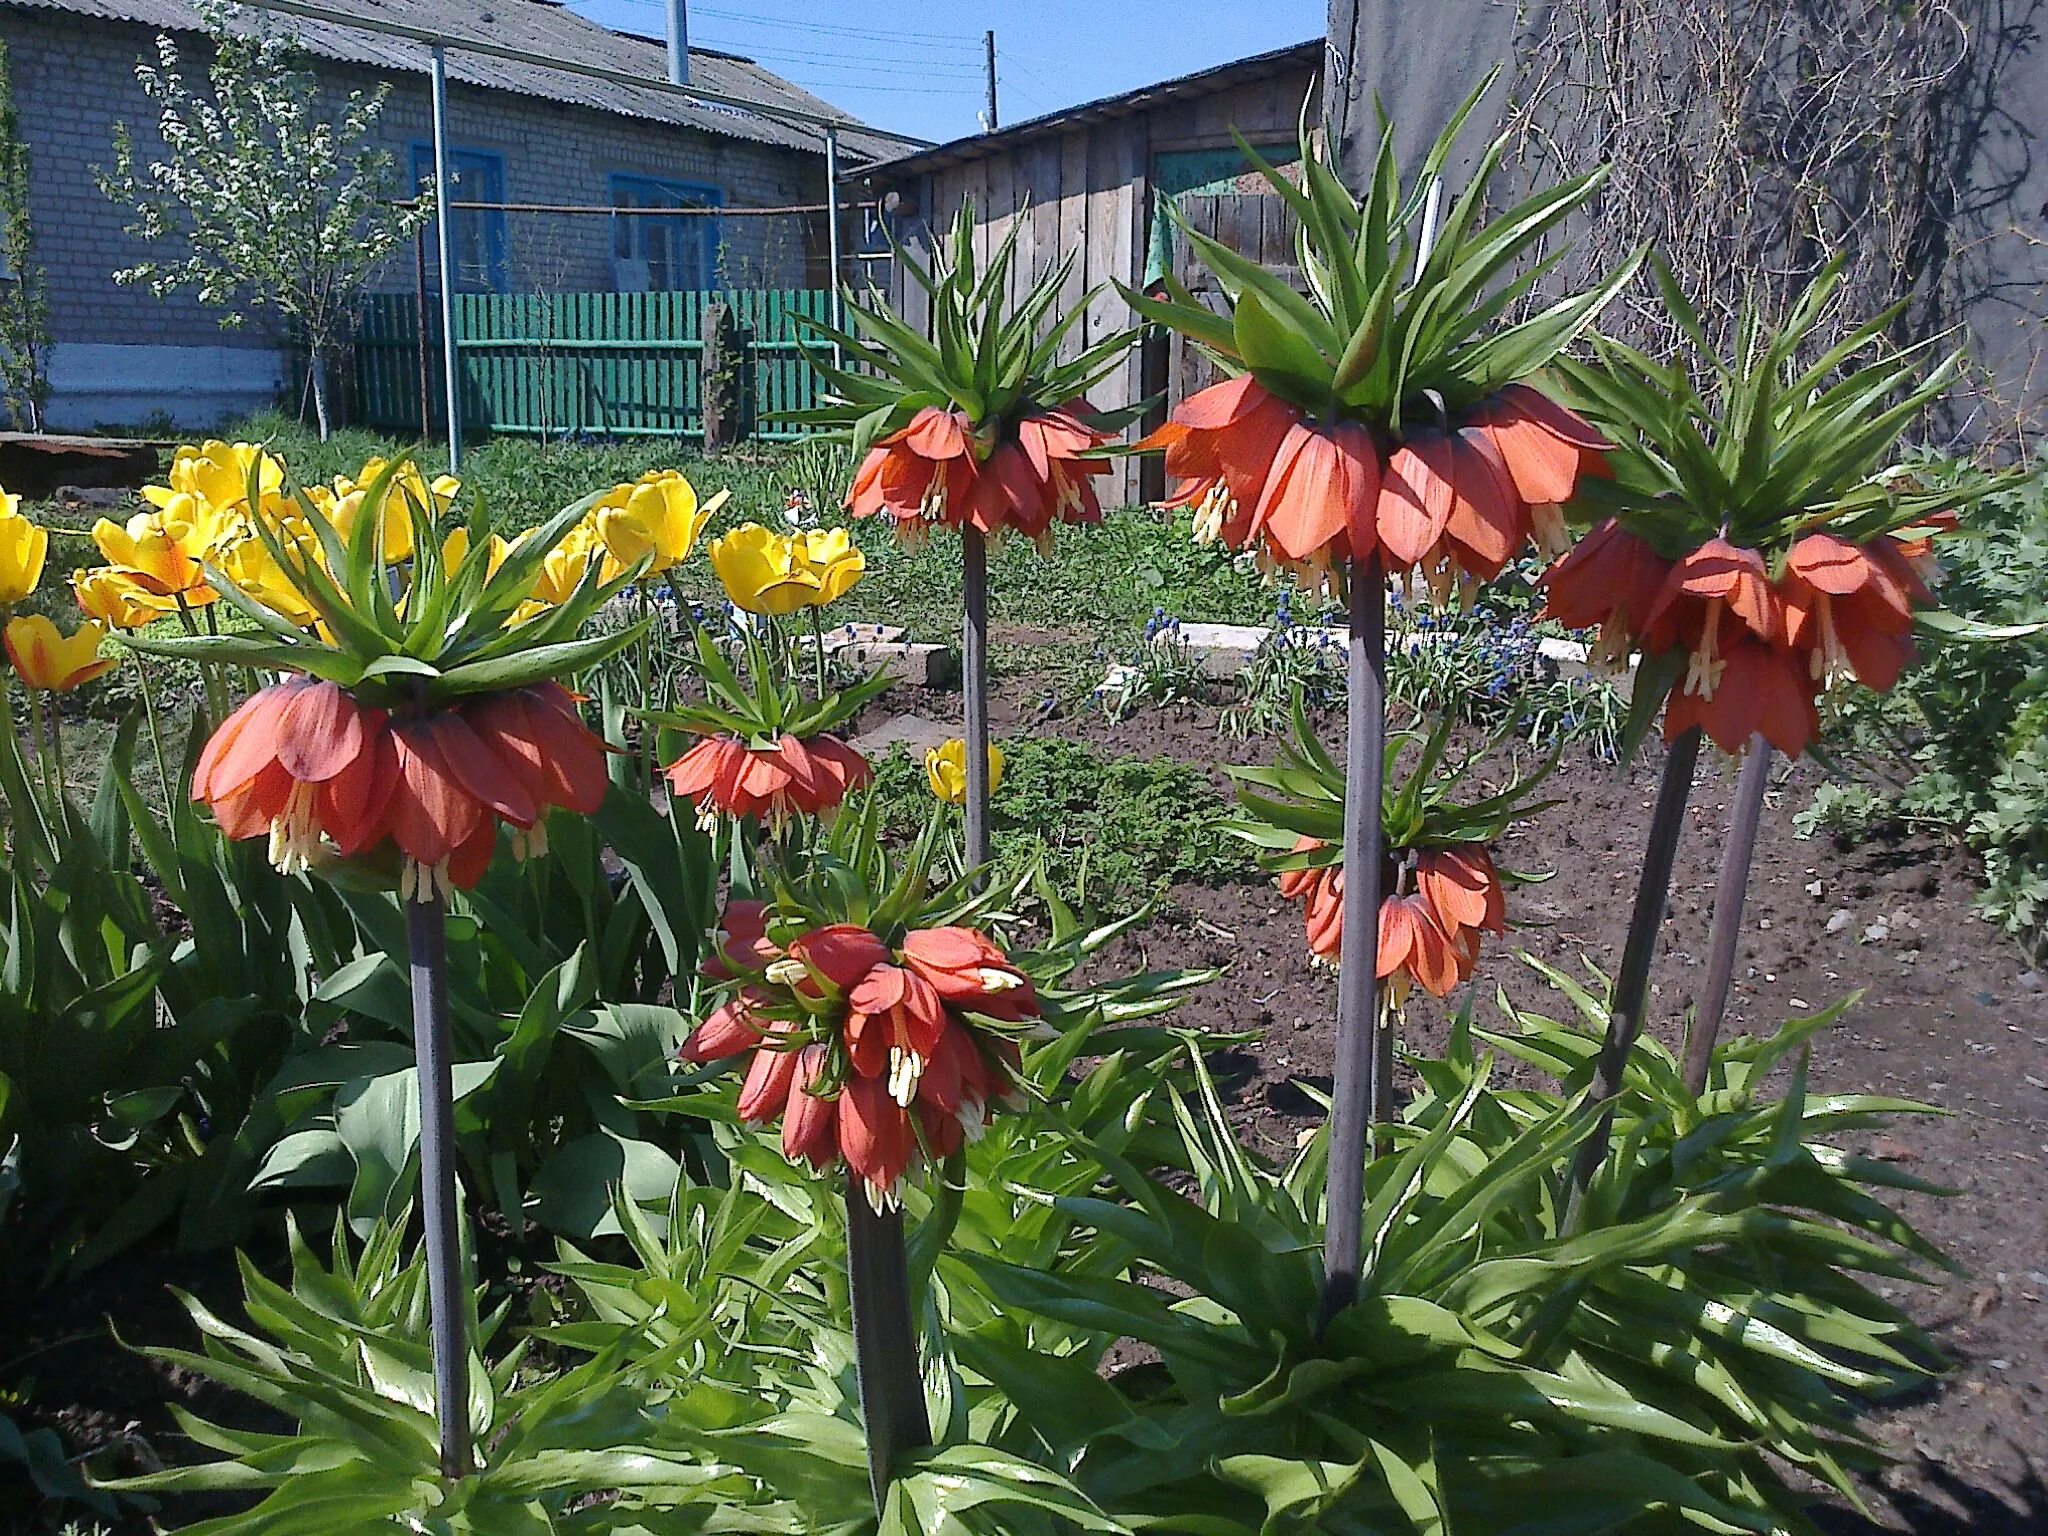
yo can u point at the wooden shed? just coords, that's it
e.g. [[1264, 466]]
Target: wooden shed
[[1092, 180]]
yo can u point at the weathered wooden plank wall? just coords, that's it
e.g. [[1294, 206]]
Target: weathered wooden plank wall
[[1085, 188]]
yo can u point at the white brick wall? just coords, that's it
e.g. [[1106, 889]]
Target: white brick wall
[[74, 80]]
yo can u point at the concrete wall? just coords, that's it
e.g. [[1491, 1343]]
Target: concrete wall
[[122, 354]]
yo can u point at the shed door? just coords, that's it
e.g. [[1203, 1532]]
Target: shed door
[[1254, 224]]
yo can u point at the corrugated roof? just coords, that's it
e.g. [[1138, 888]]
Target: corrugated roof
[[1143, 99], [551, 31]]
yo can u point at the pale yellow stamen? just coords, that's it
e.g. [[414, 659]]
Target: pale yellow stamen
[[530, 842], [424, 882], [1830, 661], [905, 1069], [1703, 672], [295, 833], [1216, 508]]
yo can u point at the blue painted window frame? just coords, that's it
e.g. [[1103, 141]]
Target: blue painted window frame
[[629, 235], [489, 225]]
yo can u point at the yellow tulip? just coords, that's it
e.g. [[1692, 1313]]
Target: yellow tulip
[[343, 507], [161, 550], [761, 573], [657, 518], [455, 550], [563, 568], [407, 488], [830, 555], [47, 658], [219, 473], [111, 596], [247, 562], [22, 547], [945, 767]]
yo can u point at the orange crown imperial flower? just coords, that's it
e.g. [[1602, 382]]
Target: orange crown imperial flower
[[1441, 888], [987, 427], [871, 1055], [1756, 547], [420, 718], [1381, 414], [323, 775], [765, 751], [726, 775], [931, 471]]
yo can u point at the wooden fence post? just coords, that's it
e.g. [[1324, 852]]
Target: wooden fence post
[[719, 384]]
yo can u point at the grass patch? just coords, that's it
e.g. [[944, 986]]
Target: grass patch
[[1110, 829]]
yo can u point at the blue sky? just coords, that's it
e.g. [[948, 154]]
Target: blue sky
[[915, 65]]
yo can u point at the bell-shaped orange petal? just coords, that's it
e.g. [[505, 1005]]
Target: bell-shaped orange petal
[[1489, 520], [842, 953], [936, 434], [874, 1133], [431, 813], [1307, 501], [1544, 446], [245, 743], [1415, 499], [320, 733]]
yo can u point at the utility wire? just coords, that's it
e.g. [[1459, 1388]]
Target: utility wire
[[937, 40]]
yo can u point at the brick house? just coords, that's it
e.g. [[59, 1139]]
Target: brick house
[[520, 134]]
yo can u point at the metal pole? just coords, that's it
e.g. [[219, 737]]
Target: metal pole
[[988, 51], [1355, 1091], [1728, 896], [974, 669], [832, 256], [419, 326], [678, 42], [1625, 1004], [426, 941], [444, 241]]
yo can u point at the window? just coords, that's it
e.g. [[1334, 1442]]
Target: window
[[477, 234], [1202, 173], [651, 254]]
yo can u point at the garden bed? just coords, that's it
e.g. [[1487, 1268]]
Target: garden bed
[[1950, 1016], [1951, 1013]]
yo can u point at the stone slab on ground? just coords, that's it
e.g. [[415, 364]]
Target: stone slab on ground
[[1224, 650], [842, 637], [913, 733], [919, 666]]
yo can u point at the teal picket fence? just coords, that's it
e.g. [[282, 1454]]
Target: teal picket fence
[[568, 364]]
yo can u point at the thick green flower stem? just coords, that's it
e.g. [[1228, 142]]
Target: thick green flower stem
[[974, 681], [37, 733], [892, 1411], [648, 731], [1358, 1096], [156, 740], [1631, 992], [1728, 898], [426, 938], [818, 647]]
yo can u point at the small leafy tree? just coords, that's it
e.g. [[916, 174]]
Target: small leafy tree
[[281, 206], [24, 302]]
